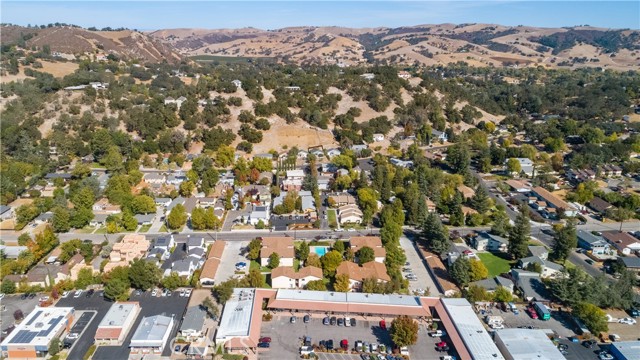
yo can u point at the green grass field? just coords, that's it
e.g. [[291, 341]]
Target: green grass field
[[495, 264], [331, 216], [144, 228]]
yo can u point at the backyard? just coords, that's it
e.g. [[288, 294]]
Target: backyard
[[331, 216], [495, 264]]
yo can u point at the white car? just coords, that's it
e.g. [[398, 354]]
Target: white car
[[154, 292], [182, 292], [347, 321], [1, 296], [437, 333], [187, 293], [605, 356], [65, 294], [77, 294], [628, 321]]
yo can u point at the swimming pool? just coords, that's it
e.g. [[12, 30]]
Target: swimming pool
[[319, 250]]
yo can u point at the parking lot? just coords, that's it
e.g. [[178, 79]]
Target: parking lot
[[561, 323], [82, 319], [233, 253], [419, 268], [96, 305], [169, 305], [286, 338], [11, 303], [575, 351]]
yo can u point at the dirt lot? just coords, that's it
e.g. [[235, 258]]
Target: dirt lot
[[626, 332]]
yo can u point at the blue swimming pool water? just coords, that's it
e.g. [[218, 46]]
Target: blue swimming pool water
[[319, 250]]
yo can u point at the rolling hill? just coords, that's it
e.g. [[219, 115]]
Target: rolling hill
[[477, 44]]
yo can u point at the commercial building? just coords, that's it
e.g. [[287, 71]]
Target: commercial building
[[526, 344], [32, 337], [117, 322], [626, 350], [151, 335]]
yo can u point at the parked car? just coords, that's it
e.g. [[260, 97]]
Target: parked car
[[90, 293], [182, 292], [344, 344], [325, 321], [264, 345], [328, 344], [177, 348], [614, 337], [437, 333], [187, 293], [347, 321], [634, 312], [340, 322], [442, 346], [264, 339], [353, 321], [628, 321], [383, 324], [589, 344], [293, 320], [332, 321], [77, 294], [603, 355], [154, 293]]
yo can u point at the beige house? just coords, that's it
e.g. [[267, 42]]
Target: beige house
[[466, 191], [284, 277], [131, 247], [374, 242], [282, 245], [104, 206], [357, 274], [350, 214]]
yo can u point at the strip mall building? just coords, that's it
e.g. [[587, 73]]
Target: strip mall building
[[242, 316]]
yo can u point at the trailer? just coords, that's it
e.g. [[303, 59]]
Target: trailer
[[542, 310]]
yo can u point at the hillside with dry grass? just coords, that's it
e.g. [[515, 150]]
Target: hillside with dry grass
[[125, 44], [476, 44]]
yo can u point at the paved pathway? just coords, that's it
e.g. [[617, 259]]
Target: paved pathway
[[419, 267]]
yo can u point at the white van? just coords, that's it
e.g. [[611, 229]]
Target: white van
[[306, 350]]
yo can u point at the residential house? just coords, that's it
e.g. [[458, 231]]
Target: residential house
[[530, 284], [623, 242], [492, 284], [594, 243], [103, 180], [526, 166], [178, 101], [145, 219], [518, 186], [193, 323], [431, 206], [548, 268], [285, 277], [50, 177], [154, 178], [539, 251], [342, 199], [401, 163], [323, 183], [292, 88], [258, 214], [282, 245], [489, 242], [293, 181], [599, 205], [350, 213], [466, 191], [237, 83], [610, 170], [164, 242], [176, 179], [207, 202], [131, 246], [553, 202], [99, 219], [211, 265], [190, 204], [577, 176], [404, 75], [440, 136], [378, 137], [630, 263], [177, 201], [228, 178], [42, 275], [43, 218], [184, 267], [357, 274], [194, 242], [374, 242], [358, 148], [156, 255], [164, 202], [104, 206], [368, 76], [259, 194], [302, 154]]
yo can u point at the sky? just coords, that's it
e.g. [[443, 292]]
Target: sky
[[152, 15]]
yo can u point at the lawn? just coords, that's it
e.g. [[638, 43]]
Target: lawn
[[331, 216], [86, 230], [144, 228], [256, 265], [101, 230], [495, 264]]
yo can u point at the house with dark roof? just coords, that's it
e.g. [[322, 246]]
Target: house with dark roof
[[490, 285], [490, 242], [530, 284], [630, 263], [193, 322], [600, 206], [6, 212], [594, 243]]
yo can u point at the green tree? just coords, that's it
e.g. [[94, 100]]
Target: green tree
[[143, 204], [129, 222], [198, 221], [502, 294], [480, 200], [274, 260], [113, 160], [317, 285], [435, 235], [55, 346], [341, 283], [172, 282], [84, 198], [339, 246], [513, 166], [565, 239], [313, 260], [8, 287], [143, 274], [212, 222], [404, 331], [365, 254], [211, 308], [593, 317], [117, 290], [254, 249], [368, 200], [519, 234], [85, 278], [476, 293], [459, 158], [330, 262], [177, 217], [61, 219], [477, 270], [186, 188], [224, 290], [500, 224], [461, 271], [303, 251], [255, 278]]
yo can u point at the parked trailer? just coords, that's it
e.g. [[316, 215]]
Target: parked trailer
[[542, 310]]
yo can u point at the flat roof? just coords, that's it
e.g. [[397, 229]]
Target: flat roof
[[473, 334], [236, 316], [528, 344], [118, 314], [152, 329], [630, 350], [39, 327]]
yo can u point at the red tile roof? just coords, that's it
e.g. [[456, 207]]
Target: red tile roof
[[216, 249], [108, 333]]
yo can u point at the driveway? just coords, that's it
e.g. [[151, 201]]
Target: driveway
[[419, 268], [233, 215], [233, 253], [158, 221]]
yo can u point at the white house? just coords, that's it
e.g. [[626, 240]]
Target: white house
[[193, 323], [439, 135], [490, 242], [163, 202], [350, 214], [195, 242], [154, 178], [164, 242], [259, 213], [237, 83], [284, 277], [526, 166], [378, 137]]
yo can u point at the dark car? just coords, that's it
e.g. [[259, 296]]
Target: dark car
[[264, 345], [589, 344], [340, 322], [353, 322], [325, 321], [634, 312], [177, 348], [306, 319], [322, 344], [90, 293], [265, 339], [332, 321], [328, 344]]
